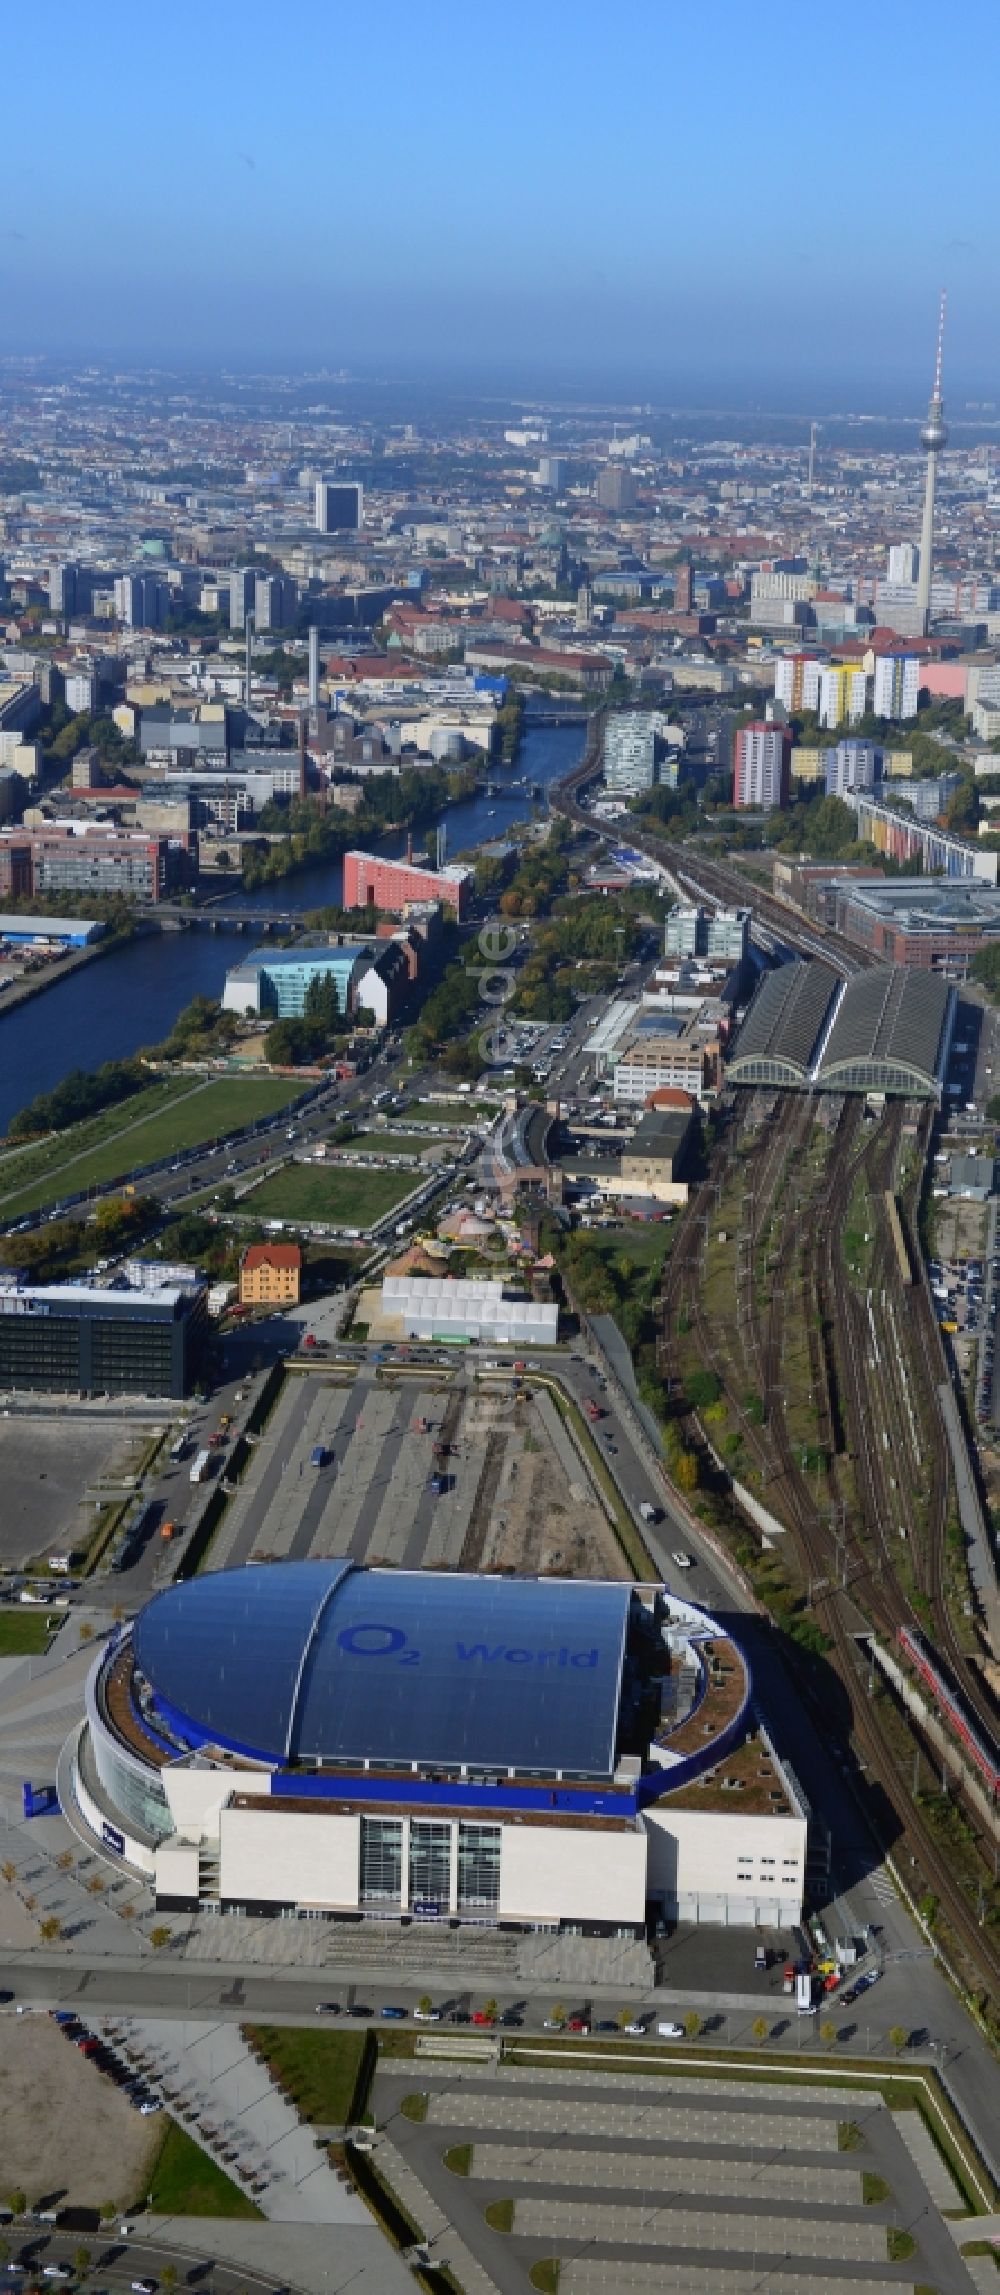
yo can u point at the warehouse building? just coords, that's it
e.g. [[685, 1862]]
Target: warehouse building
[[317, 1738], [446, 1307], [888, 1030], [77, 1338]]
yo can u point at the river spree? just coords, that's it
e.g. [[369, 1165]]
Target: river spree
[[117, 1003]]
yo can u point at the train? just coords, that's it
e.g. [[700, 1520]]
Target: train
[[981, 1749]]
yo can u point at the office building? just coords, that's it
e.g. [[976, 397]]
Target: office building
[[83, 856], [551, 473], [271, 1275], [141, 601], [720, 934], [76, 1338], [275, 602], [904, 563], [896, 686], [761, 767], [276, 981], [616, 491], [632, 748], [242, 595], [339, 507], [371, 882]]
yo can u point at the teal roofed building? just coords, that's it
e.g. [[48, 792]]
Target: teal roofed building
[[276, 981]]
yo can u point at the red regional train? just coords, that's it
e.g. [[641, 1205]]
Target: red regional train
[[980, 1748]]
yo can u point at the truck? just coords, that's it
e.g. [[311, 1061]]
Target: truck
[[200, 1466], [650, 1513], [317, 1457], [804, 1993]]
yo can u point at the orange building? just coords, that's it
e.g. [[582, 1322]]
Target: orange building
[[271, 1275]]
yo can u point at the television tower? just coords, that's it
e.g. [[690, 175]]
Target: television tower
[[933, 438]]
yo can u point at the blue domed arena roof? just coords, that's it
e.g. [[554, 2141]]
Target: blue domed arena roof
[[323, 1661]]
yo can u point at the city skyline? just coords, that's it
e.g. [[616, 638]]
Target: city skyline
[[556, 212]]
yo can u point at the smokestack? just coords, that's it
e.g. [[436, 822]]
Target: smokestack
[[248, 628], [409, 848], [313, 666], [302, 753]]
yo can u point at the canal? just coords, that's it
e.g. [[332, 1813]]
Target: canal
[[131, 997]]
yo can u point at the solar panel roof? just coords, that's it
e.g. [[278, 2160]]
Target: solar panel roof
[[322, 1661]]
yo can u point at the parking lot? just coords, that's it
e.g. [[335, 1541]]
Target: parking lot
[[674, 2181], [70, 2137], [349, 1462]]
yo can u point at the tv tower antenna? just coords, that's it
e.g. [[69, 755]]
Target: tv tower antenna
[[933, 439]]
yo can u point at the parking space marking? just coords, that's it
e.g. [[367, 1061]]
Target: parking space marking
[[836, 2239]]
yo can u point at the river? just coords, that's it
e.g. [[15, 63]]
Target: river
[[131, 997]]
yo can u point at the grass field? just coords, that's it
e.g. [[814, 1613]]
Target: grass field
[[319, 2071], [646, 1243], [166, 1120], [23, 1633], [186, 2182], [346, 1197], [397, 1143], [452, 1112]]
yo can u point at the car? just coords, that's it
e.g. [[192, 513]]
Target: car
[[15, 2270], [670, 2031], [56, 2271], [578, 2024], [357, 2009], [143, 2287], [393, 2015], [637, 2027], [511, 2016], [682, 1561], [427, 2015], [870, 1978], [482, 2016], [148, 2104], [606, 2024], [552, 2024], [328, 2008]]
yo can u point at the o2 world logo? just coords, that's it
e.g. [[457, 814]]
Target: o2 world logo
[[382, 1641]]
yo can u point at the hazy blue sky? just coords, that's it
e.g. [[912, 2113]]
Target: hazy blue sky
[[718, 202]]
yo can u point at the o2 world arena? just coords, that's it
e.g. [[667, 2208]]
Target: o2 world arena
[[319, 1739]]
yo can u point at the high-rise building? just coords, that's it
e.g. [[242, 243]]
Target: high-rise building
[[933, 439], [551, 473], [631, 753], [897, 684], [904, 562], [843, 694], [141, 601], [616, 489], [720, 933], [275, 601], [242, 595], [70, 589], [339, 507], [852, 765], [796, 681], [761, 767]]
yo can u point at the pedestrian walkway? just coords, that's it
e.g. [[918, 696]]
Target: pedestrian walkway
[[219, 2093], [299, 2256], [438, 2232], [933, 2170], [591, 2277]]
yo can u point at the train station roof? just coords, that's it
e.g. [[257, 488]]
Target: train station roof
[[778, 1041], [883, 1030]]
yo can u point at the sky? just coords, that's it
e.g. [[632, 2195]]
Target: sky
[[717, 205]]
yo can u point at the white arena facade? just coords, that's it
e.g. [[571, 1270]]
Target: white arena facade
[[315, 1738]]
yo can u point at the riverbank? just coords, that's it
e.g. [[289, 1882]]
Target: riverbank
[[60, 969]]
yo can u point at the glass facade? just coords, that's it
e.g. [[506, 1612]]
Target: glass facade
[[381, 1860], [133, 1791], [430, 1864], [479, 1867]]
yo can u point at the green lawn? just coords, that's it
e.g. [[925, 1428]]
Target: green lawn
[[397, 1143], [161, 1122], [23, 1633], [186, 2182], [319, 2071], [346, 1197], [452, 1112], [646, 1243]]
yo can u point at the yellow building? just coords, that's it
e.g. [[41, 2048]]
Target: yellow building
[[271, 1275]]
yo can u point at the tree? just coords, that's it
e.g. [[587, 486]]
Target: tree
[[899, 2038], [64, 1860], [761, 2029], [50, 1929], [685, 1470], [558, 2013], [828, 2032], [86, 1631], [108, 2211], [82, 2261], [425, 2004], [168, 2276], [692, 2024], [490, 2010], [158, 1937], [17, 2200], [624, 2019], [9, 1870]]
